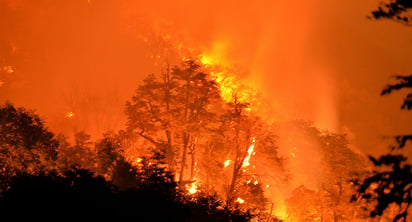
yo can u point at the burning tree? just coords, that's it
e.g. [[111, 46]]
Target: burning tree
[[321, 166], [237, 133]]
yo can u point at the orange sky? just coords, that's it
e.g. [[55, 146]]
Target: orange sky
[[316, 60]]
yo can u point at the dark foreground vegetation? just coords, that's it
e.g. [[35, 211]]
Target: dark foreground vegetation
[[148, 194], [45, 178]]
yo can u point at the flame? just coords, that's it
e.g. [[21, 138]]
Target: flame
[[8, 69], [70, 115], [229, 85], [240, 200], [216, 55], [281, 211], [193, 188], [227, 163], [249, 152], [138, 161]]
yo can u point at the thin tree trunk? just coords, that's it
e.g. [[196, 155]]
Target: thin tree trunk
[[193, 159], [183, 163]]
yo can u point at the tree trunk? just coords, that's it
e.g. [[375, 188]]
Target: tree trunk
[[193, 158], [183, 163]]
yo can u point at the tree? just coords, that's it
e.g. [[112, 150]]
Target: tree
[[150, 112], [194, 96], [171, 112], [25, 143], [81, 154], [392, 183], [108, 150]]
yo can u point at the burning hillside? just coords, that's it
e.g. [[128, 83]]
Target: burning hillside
[[226, 111]]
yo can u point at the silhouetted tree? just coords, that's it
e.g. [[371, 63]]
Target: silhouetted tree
[[75, 193], [392, 183], [25, 143], [151, 113], [108, 150]]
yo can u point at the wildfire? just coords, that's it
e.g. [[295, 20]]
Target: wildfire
[[249, 152]]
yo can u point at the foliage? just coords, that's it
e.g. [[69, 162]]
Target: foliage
[[78, 193], [25, 143], [172, 111], [108, 150], [391, 186], [394, 9], [81, 154]]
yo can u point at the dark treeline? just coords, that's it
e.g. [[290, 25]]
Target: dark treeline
[[42, 179]]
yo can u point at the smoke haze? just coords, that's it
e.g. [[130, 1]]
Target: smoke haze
[[317, 60]]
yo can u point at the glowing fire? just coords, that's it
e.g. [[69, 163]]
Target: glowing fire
[[227, 163], [70, 115], [240, 200], [249, 152], [138, 161], [229, 85], [193, 188], [8, 69]]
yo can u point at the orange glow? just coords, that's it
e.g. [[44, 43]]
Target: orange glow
[[281, 211]]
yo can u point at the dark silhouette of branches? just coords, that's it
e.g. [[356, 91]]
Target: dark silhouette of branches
[[396, 10], [393, 185], [388, 187]]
